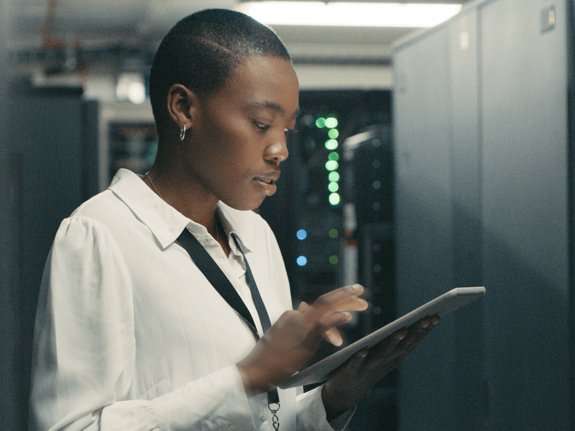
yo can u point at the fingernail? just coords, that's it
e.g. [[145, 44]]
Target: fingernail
[[347, 314], [363, 353], [356, 286]]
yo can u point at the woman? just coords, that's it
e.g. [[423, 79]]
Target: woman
[[130, 333]]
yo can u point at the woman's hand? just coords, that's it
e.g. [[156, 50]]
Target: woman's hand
[[295, 337], [348, 384]]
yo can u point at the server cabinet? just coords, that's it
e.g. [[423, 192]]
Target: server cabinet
[[423, 225], [470, 402], [49, 166], [525, 215], [506, 210]]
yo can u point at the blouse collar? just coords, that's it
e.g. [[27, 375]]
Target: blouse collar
[[165, 222]]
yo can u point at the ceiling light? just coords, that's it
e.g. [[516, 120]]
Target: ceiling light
[[131, 87], [349, 14]]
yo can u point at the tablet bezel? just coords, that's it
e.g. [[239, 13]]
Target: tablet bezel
[[441, 306]]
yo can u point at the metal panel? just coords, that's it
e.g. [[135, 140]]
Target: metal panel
[[424, 234], [9, 414], [525, 204], [45, 178], [470, 399], [90, 149], [571, 163]]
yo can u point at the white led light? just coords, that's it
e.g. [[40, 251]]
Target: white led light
[[349, 14]]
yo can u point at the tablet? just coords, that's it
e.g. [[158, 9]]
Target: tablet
[[442, 306]]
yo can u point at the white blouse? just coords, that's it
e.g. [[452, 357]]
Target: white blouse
[[131, 336]]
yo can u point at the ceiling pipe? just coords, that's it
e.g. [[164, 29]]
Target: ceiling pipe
[[48, 41]]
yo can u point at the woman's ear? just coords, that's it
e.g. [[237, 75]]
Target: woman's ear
[[183, 106]]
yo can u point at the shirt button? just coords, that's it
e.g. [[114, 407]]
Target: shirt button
[[263, 416]]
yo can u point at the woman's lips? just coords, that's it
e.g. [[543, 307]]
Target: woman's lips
[[265, 180], [268, 182]]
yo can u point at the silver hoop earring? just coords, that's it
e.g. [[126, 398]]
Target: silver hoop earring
[[183, 133]]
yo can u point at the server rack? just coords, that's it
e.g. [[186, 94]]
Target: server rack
[[342, 246], [484, 196], [49, 165]]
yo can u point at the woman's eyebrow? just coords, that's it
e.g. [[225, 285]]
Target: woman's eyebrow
[[273, 106]]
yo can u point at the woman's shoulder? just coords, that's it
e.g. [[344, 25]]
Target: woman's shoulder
[[104, 208], [94, 221], [108, 207]]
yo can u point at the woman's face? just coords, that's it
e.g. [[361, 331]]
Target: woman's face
[[239, 134]]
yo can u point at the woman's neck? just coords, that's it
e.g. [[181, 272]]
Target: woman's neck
[[190, 201]]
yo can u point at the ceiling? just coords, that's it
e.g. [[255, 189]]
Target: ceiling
[[140, 24]]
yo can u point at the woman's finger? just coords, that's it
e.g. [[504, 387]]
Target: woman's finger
[[390, 352], [320, 327], [342, 299], [334, 337], [303, 306], [330, 310]]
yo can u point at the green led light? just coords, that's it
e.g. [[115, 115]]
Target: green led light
[[320, 122], [307, 120], [331, 144], [331, 122], [333, 233], [333, 260], [333, 133], [333, 177], [333, 187], [333, 156], [331, 165], [334, 199]]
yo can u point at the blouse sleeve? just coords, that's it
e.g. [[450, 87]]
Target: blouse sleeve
[[84, 350], [311, 413]]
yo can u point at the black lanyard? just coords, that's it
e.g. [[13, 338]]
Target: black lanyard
[[220, 282]]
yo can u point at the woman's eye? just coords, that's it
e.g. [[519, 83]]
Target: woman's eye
[[262, 126]]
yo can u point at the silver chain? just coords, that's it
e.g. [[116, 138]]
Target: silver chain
[[154, 187]]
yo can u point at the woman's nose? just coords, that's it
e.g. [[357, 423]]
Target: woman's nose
[[277, 152]]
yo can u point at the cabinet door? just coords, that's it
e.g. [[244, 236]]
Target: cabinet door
[[525, 213], [42, 173], [424, 225], [470, 389]]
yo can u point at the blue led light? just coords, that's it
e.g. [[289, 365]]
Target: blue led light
[[301, 261], [301, 234]]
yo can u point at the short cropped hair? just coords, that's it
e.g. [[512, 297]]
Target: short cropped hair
[[203, 49]]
